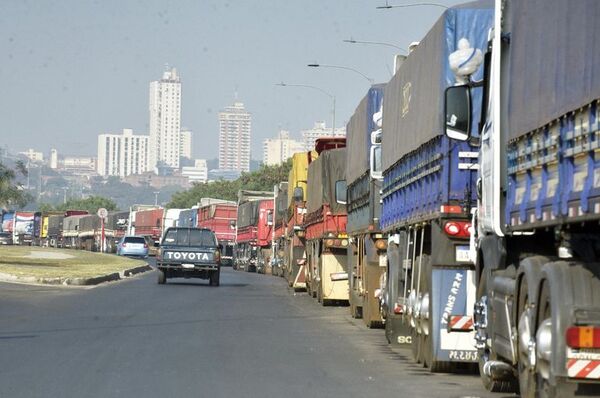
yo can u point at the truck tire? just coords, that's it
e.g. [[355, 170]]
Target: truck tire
[[504, 386], [162, 277], [215, 277]]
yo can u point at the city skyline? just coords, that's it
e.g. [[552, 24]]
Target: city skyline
[[78, 84]]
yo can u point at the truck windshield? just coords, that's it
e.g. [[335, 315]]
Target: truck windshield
[[190, 237]]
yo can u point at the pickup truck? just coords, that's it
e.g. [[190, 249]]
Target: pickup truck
[[189, 253]]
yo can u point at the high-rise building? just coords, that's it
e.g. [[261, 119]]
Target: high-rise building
[[122, 154], [196, 173], [319, 131], [33, 155], [185, 148], [53, 159], [234, 138], [278, 150], [165, 121]]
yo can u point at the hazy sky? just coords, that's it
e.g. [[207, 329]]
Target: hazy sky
[[73, 69]]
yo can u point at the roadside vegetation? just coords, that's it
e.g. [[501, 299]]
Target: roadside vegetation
[[11, 191], [40, 262], [91, 204], [263, 179]]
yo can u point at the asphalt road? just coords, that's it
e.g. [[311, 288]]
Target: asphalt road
[[250, 337]]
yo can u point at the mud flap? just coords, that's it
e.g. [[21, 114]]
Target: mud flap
[[452, 298]]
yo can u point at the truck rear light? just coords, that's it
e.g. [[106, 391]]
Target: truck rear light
[[583, 337], [448, 209], [329, 242], [458, 229], [145, 245], [338, 242], [398, 309], [217, 256], [381, 244]]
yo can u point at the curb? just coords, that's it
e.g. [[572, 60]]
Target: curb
[[115, 276]]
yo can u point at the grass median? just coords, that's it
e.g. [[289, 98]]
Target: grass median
[[42, 262]]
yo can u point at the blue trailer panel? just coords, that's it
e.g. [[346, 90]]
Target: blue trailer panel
[[188, 218], [423, 170], [440, 172], [363, 194]]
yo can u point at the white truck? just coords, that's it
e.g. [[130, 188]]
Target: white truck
[[536, 245]]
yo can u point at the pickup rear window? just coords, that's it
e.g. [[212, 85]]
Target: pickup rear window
[[189, 237]]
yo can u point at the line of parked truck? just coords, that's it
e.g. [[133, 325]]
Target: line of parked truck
[[461, 212], [77, 229]]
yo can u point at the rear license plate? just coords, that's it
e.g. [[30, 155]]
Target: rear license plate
[[462, 254], [187, 265], [383, 260]]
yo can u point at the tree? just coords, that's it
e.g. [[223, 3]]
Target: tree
[[263, 179], [11, 192], [91, 204]]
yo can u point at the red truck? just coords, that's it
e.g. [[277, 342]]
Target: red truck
[[325, 223], [254, 231], [221, 218], [149, 223]]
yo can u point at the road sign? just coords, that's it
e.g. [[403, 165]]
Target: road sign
[[102, 212]]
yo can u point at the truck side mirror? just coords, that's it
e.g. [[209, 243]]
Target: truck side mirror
[[457, 106], [270, 217], [375, 162], [341, 192], [232, 224], [298, 194]]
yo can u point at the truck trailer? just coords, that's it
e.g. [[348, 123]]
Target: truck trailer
[[279, 228], [428, 192], [254, 230], [536, 243], [294, 269], [325, 223], [220, 217], [367, 259]]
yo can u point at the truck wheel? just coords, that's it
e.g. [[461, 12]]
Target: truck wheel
[[162, 277], [485, 355], [527, 384], [214, 278], [545, 390]]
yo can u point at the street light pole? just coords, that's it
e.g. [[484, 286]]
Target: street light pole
[[342, 67], [351, 40], [387, 6], [282, 84], [156, 198]]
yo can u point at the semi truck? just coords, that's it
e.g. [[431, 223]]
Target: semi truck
[[325, 223], [254, 230], [220, 217], [115, 227], [26, 227], [367, 259], [428, 192], [294, 269], [43, 239], [70, 231], [536, 240], [280, 194], [149, 222]]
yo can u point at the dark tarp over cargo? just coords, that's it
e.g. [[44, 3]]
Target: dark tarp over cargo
[[414, 98], [554, 68], [358, 133], [323, 174]]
